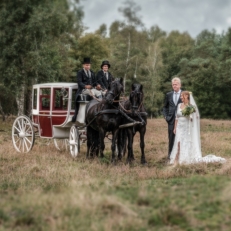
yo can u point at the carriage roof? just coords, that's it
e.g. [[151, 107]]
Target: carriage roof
[[56, 84]]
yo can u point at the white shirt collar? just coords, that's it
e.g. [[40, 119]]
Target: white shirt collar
[[177, 92]]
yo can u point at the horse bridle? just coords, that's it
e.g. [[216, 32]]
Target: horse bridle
[[137, 112], [136, 107], [111, 101]]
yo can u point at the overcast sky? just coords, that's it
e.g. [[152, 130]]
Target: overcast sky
[[192, 16]]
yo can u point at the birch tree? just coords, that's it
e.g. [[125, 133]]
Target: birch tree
[[123, 37]]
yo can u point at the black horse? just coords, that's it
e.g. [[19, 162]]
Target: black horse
[[102, 117], [134, 108]]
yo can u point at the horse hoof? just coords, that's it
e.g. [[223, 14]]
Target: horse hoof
[[144, 163], [119, 158], [129, 161], [113, 161]]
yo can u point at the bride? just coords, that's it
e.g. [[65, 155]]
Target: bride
[[187, 145]]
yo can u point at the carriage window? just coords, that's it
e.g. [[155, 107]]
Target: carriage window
[[45, 94], [60, 99], [35, 99], [73, 98]]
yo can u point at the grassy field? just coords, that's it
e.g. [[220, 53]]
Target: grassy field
[[48, 190]]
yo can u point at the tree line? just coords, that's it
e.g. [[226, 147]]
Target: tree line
[[44, 41]]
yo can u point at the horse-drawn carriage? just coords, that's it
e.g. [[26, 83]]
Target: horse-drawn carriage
[[53, 106]]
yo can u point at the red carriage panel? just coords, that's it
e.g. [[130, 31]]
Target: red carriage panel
[[58, 117], [45, 125]]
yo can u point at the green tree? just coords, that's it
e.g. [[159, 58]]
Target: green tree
[[206, 74], [34, 41], [102, 31], [152, 65], [174, 47], [125, 43], [8, 103], [91, 45]]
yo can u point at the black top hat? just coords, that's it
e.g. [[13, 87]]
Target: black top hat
[[86, 60], [105, 62]]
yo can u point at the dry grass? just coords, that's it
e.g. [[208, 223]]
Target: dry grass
[[48, 190]]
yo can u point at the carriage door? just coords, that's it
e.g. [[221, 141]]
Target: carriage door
[[60, 105], [45, 112]]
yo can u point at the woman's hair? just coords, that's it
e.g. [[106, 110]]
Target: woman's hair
[[186, 93]]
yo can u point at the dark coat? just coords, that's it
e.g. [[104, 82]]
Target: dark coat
[[169, 109], [102, 80], [83, 80]]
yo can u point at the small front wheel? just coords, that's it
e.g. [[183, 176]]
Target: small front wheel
[[23, 134], [74, 141]]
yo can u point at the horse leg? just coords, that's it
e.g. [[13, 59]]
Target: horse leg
[[92, 142], [130, 144], [102, 134], [132, 154], [89, 142], [96, 143], [142, 146], [120, 143], [125, 142], [113, 145]]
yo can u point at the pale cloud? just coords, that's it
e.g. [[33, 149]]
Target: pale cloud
[[192, 16], [229, 20]]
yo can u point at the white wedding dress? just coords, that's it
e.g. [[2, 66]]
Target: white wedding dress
[[187, 145]]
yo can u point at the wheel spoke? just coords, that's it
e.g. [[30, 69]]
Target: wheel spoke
[[20, 144], [28, 129], [24, 141], [23, 150], [23, 127], [17, 129], [61, 144], [19, 125], [18, 139]]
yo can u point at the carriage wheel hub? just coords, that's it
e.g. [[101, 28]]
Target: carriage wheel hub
[[22, 134]]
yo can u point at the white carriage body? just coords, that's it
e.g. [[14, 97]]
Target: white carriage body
[[52, 111], [53, 106]]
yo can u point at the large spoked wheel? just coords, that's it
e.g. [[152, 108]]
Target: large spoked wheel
[[23, 134], [61, 144], [74, 141]]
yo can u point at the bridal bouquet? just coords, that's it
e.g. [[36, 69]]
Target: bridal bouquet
[[188, 110]]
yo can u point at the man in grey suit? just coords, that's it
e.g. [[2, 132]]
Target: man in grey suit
[[172, 99]]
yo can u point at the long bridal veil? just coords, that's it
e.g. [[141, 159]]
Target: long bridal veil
[[195, 130], [195, 138]]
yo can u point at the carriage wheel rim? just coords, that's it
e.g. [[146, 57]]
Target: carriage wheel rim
[[74, 141], [22, 134]]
